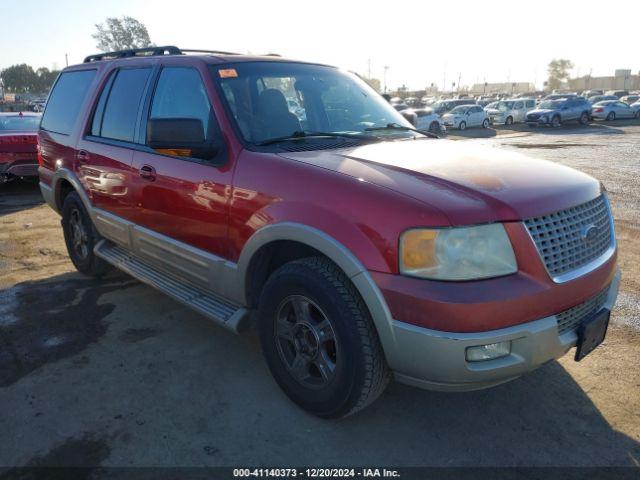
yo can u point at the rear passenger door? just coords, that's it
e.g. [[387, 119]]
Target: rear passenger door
[[105, 152], [181, 198], [518, 111]]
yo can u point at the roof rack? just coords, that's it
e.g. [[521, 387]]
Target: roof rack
[[134, 52], [151, 51]]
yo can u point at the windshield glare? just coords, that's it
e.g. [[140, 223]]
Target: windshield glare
[[459, 110], [27, 123], [270, 100]]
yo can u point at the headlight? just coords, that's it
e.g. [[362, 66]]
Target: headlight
[[466, 253]]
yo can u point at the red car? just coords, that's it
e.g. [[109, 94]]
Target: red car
[[18, 145], [360, 248]]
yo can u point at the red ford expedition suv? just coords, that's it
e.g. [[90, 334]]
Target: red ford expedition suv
[[360, 248]]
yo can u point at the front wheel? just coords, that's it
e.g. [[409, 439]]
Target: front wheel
[[462, 126], [509, 121], [434, 127], [81, 236], [555, 121], [584, 118], [319, 340]]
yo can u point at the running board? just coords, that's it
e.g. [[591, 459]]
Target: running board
[[212, 306]]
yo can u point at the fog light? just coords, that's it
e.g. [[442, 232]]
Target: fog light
[[488, 352]]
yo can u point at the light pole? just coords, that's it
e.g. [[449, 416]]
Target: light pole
[[386, 67]]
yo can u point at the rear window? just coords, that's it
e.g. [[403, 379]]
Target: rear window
[[26, 124], [65, 101], [123, 97]]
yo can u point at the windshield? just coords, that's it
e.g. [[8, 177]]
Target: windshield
[[550, 104], [504, 106], [259, 97], [459, 110], [28, 123]]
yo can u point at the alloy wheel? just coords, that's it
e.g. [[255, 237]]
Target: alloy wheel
[[79, 236], [306, 342]]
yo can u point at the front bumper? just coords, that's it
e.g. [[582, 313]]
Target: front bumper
[[538, 122], [436, 360]]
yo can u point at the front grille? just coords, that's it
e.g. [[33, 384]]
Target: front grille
[[571, 319], [561, 237]]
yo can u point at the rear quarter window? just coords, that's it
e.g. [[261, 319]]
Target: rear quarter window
[[65, 100]]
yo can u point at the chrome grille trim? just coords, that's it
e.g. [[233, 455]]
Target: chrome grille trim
[[570, 319], [558, 239]]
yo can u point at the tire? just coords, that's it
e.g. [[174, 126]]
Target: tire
[[434, 127], [584, 118], [462, 126], [485, 123], [509, 121], [555, 121], [303, 302], [611, 116], [81, 236]]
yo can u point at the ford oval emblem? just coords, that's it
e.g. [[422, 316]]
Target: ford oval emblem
[[589, 233]]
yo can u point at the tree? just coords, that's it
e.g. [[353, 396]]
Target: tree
[[45, 79], [121, 34], [19, 78], [558, 71]]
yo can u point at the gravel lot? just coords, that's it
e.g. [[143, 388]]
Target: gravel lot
[[114, 373]]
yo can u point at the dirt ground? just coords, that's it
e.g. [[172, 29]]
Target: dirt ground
[[113, 373]]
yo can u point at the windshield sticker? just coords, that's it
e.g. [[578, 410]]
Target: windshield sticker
[[228, 73]]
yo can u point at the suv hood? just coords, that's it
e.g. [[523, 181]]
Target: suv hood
[[541, 111], [467, 182]]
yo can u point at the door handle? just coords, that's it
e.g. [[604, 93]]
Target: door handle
[[82, 156], [147, 172]]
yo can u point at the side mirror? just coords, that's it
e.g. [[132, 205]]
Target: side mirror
[[183, 137]]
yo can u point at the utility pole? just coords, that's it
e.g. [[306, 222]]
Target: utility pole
[[386, 67], [369, 68], [66, 59], [459, 77]]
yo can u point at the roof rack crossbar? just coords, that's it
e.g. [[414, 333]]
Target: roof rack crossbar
[[215, 52], [134, 52]]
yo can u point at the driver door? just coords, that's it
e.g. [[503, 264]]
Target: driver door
[[181, 198]]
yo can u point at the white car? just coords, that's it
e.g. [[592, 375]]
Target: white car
[[465, 116], [612, 109], [510, 111], [427, 119]]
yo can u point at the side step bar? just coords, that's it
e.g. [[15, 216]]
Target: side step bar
[[212, 306]]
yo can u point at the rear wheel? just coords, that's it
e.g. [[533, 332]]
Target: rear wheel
[[485, 123], [611, 116], [462, 126], [81, 237], [319, 340], [555, 121]]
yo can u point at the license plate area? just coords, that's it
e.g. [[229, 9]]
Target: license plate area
[[591, 333]]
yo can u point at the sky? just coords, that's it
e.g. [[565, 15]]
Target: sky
[[421, 42]]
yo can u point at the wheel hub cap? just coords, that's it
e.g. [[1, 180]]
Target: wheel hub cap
[[306, 342]]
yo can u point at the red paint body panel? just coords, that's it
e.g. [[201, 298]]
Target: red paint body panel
[[18, 153]]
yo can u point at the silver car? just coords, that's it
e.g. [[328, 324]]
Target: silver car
[[612, 109], [510, 111]]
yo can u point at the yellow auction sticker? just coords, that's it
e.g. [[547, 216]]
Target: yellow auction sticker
[[228, 73]]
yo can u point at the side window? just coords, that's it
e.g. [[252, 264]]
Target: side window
[[66, 99], [180, 102], [180, 94], [116, 115], [530, 103], [518, 106]]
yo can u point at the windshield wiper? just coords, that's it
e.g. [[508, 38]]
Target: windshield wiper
[[300, 134], [397, 126]]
